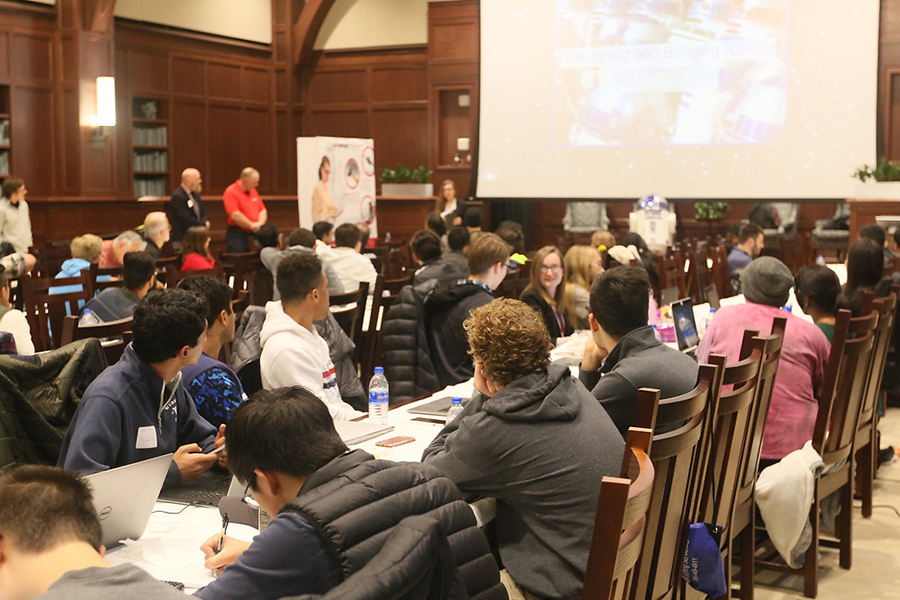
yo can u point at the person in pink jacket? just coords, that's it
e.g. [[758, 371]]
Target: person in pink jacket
[[766, 283]]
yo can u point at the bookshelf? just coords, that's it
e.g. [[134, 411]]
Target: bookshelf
[[150, 146]]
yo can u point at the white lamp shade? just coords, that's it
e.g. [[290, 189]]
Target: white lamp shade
[[462, 144], [106, 101]]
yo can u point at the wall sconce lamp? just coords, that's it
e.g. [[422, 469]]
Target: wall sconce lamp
[[106, 108]]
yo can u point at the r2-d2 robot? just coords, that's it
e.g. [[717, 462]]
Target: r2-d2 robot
[[654, 222]]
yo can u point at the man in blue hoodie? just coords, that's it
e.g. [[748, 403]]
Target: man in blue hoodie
[[138, 408], [507, 444]]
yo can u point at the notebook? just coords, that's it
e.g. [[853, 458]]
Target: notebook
[[356, 432], [124, 497]]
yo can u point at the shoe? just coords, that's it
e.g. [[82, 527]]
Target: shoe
[[886, 455]]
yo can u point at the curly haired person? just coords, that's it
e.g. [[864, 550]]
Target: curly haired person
[[506, 445]]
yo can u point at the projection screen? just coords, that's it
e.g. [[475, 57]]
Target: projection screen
[[685, 98]]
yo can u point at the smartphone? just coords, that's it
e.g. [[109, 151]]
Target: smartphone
[[217, 450], [395, 441]]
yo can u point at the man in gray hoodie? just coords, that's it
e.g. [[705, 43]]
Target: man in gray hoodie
[[535, 439]]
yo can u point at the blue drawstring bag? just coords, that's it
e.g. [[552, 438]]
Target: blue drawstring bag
[[702, 566]]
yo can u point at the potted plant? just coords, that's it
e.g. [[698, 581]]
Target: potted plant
[[403, 181], [881, 182], [711, 212]]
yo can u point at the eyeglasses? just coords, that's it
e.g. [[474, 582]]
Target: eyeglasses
[[551, 269]]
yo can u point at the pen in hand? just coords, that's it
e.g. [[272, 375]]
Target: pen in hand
[[221, 539]]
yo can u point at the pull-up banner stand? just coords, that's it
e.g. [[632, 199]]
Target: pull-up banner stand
[[336, 181]]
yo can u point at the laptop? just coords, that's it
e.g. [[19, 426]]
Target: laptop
[[124, 497], [356, 432], [667, 296], [206, 490], [436, 408], [712, 296], [685, 325]]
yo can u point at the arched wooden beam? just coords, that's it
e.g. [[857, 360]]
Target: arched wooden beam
[[97, 15], [307, 27]]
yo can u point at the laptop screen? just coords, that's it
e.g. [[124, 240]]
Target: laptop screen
[[685, 325]]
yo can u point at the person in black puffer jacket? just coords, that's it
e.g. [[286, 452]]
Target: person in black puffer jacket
[[335, 508]]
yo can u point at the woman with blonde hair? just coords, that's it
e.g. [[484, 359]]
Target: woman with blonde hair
[[583, 264], [546, 293], [195, 254], [448, 206]]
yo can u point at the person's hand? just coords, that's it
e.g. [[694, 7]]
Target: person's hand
[[593, 355], [231, 550], [457, 221], [254, 227], [192, 462], [220, 441], [207, 225]]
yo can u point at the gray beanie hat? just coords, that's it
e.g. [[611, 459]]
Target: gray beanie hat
[[767, 280]]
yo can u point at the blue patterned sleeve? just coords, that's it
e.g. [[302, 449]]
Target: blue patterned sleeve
[[217, 392]]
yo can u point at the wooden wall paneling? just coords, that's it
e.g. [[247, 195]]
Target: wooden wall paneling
[[224, 134], [188, 76], [286, 151], [223, 80], [338, 87], [400, 84], [148, 72], [891, 112], [32, 56], [70, 138], [32, 133], [257, 150], [399, 137], [339, 122], [255, 84], [189, 137], [4, 57]]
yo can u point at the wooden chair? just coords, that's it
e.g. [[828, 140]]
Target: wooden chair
[[671, 274], [732, 427], [351, 319], [512, 286], [112, 277], [866, 443], [383, 297], [243, 268], [842, 395], [167, 268], [50, 258], [176, 275], [45, 311], [113, 349], [619, 524], [721, 273], [743, 519], [699, 276], [679, 457]]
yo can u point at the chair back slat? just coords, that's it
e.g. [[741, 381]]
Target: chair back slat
[[887, 309], [679, 453], [619, 522], [45, 311], [845, 381], [112, 348], [350, 319]]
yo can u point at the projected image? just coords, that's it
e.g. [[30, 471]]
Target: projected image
[[654, 72]]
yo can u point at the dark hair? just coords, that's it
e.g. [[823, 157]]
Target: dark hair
[[818, 284], [297, 275], [267, 235], [873, 232], [620, 299], [346, 236], [458, 238], [286, 430], [472, 218], [324, 162], [165, 321], [865, 266], [42, 507], [194, 241], [321, 229], [302, 237], [11, 185], [213, 290], [748, 231], [137, 269], [435, 222], [364, 232], [648, 257], [4, 277], [897, 237], [426, 245], [511, 233]]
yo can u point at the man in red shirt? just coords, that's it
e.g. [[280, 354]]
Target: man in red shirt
[[245, 210]]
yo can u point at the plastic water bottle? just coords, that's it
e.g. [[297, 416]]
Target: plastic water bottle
[[820, 260], [455, 409], [378, 397], [88, 318]]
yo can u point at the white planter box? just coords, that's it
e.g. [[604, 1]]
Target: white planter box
[[878, 190], [407, 189]]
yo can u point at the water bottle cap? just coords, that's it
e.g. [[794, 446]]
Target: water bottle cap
[[87, 311], [456, 401], [379, 370]]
